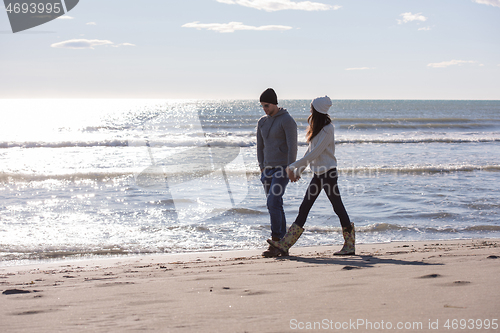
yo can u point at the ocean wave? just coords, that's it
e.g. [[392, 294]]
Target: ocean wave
[[10, 177], [203, 236], [416, 126], [64, 144], [230, 141], [388, 227], [418, 169], [14, 254], [26, 253], [223, 141], [415, 120], [246, 211], [373, 171], [416, 140], [155, 174]]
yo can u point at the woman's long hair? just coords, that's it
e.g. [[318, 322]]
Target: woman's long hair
[[316, 122]]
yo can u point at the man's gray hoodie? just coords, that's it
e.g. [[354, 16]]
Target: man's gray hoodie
[[276, 140]]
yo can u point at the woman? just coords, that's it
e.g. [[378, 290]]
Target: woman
[[321, 157]]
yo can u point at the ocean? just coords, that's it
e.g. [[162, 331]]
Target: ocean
[[86, 178]]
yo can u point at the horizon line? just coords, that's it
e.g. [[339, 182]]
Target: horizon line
[[247, 99]]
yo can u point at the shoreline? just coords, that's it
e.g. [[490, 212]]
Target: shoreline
[[236, 291], [112, 257]]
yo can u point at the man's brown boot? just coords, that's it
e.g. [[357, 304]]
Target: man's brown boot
[[272, 252]]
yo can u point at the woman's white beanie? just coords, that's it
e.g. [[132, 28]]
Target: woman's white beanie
[[322, 104]]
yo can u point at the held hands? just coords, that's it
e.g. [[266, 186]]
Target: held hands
[[291, 175]]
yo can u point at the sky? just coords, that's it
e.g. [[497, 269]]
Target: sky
[[235, 49]]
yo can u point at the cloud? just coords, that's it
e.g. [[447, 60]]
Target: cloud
[[233, 26], [409, 17], [424, 29], [86, 44], [445, 64], [357, 68], [91, 23], [65, 17], [495, 3], [123, 44], [275, 5]]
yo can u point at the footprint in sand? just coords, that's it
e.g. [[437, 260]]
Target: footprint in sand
[[15, 291], [20, 291], [430, 276], [348, 268], [461, 282]]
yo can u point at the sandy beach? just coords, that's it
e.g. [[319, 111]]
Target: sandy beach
[[401, 286]]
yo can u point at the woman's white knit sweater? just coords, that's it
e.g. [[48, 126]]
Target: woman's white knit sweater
[[320, 154]]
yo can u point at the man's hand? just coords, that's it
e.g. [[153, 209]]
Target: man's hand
[[291, 175]]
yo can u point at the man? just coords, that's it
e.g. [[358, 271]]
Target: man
[[276, 149]]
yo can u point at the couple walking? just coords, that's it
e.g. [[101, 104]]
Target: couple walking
[[276, 154]]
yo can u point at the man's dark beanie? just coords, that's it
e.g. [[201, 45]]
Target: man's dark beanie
[[269, 96]]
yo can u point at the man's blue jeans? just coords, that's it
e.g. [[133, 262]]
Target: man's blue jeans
[[275, 181]]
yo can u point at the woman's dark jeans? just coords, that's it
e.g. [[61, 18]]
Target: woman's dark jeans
[[328, 182]]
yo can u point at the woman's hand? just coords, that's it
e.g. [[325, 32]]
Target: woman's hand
[[291, 175]]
